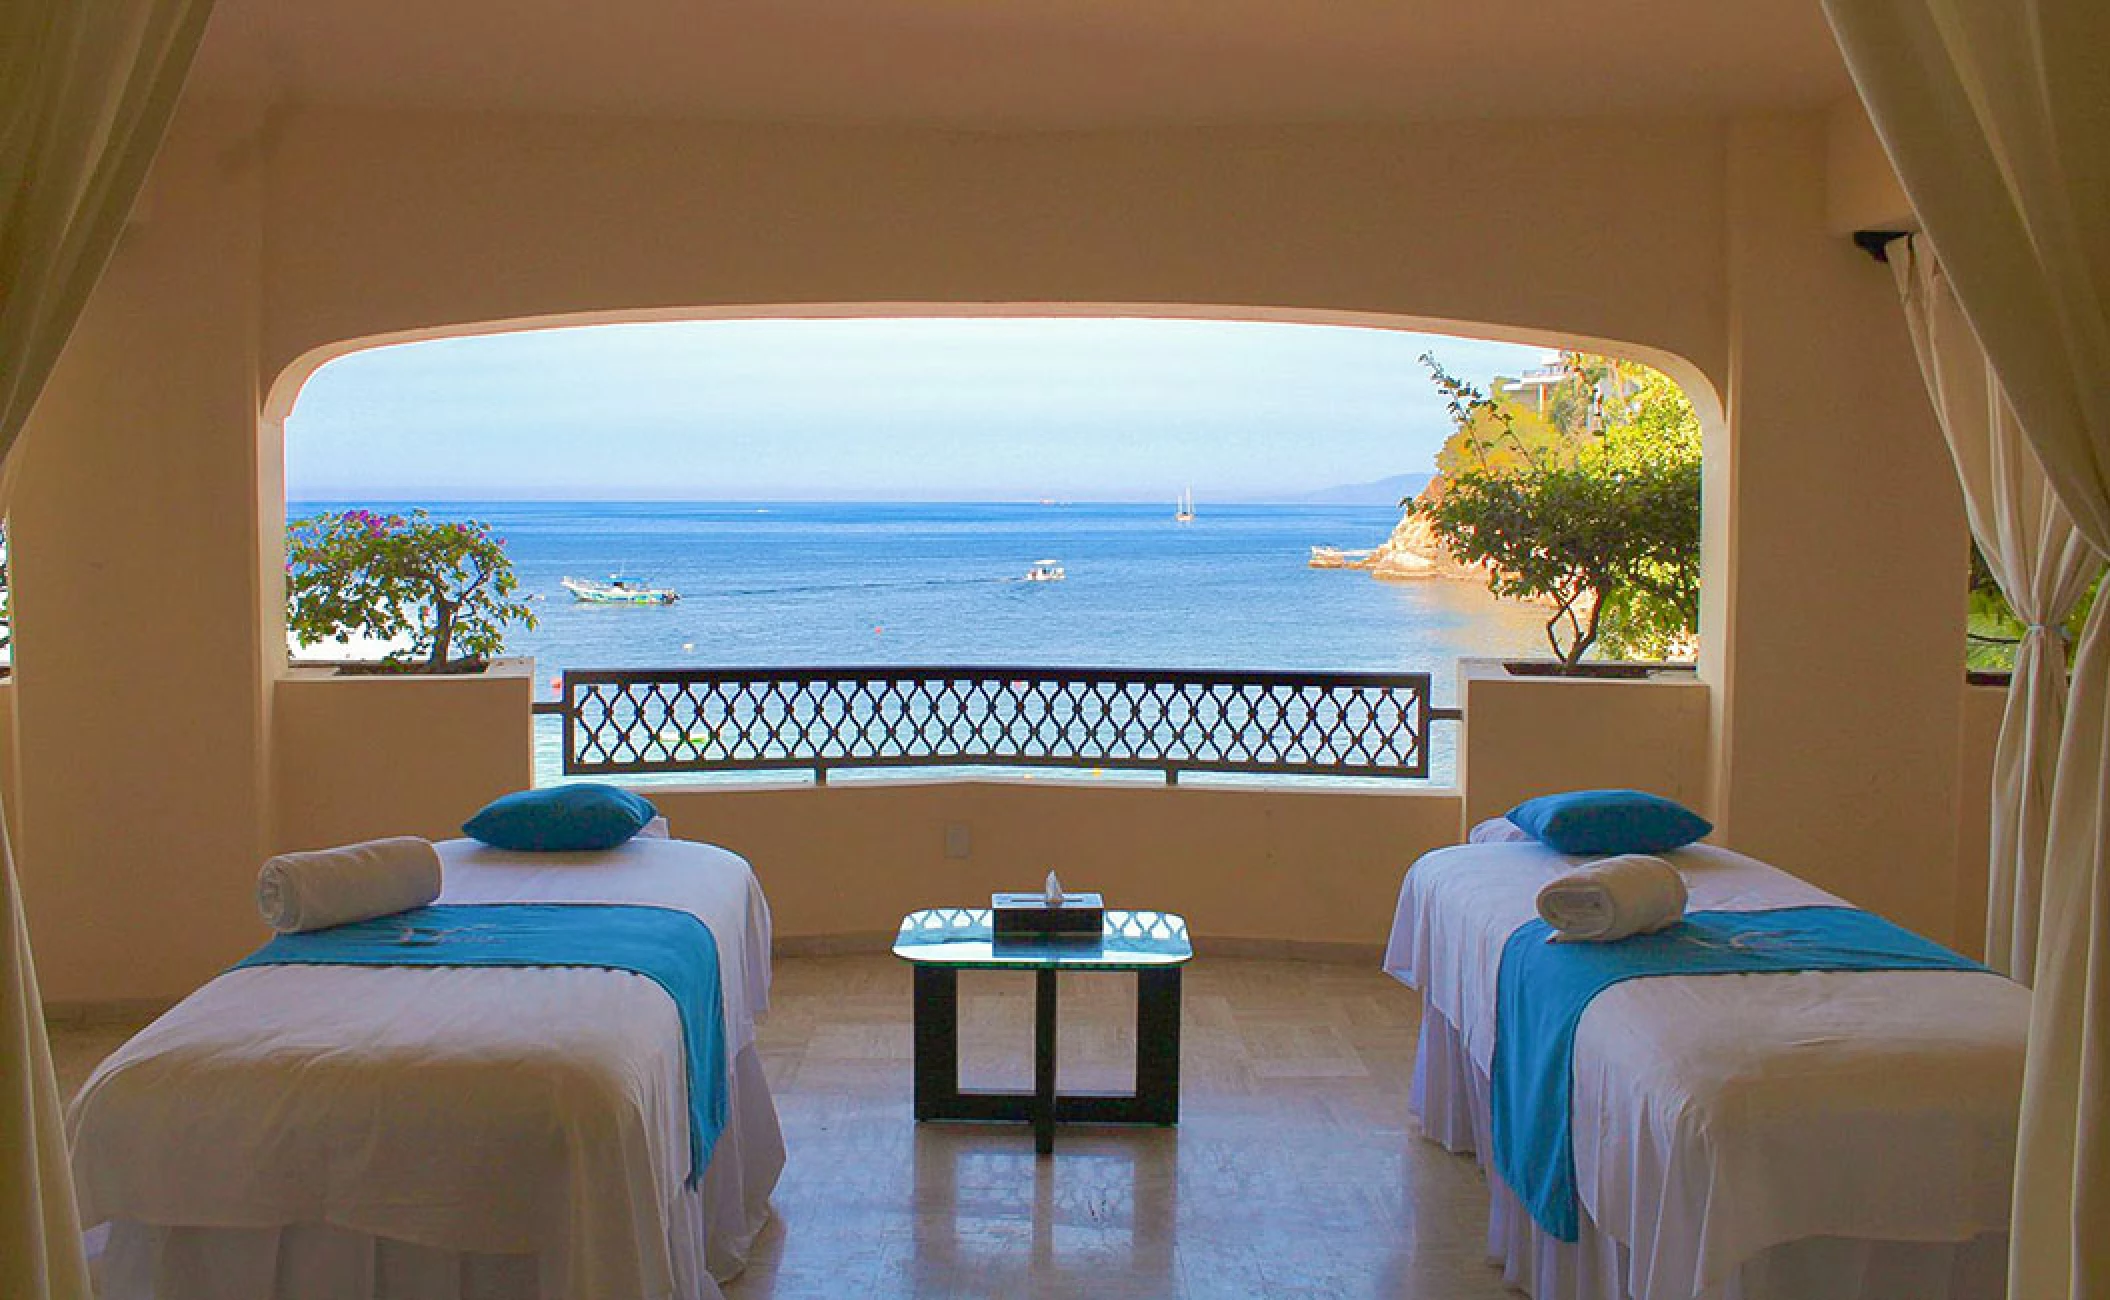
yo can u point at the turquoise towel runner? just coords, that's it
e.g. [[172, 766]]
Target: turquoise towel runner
[[672, 949], [1543, 988]]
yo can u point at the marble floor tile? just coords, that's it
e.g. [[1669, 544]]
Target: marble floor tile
[[1295, 1169]]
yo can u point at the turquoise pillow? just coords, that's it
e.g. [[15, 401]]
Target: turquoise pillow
[[562, 818], [1609, 821]]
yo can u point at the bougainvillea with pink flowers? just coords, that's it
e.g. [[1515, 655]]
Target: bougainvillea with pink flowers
[[447, 584]]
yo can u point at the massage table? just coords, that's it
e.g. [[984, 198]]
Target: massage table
[[348, 1132], [1818, 1136]]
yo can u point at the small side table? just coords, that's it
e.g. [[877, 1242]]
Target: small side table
[[941, 942]]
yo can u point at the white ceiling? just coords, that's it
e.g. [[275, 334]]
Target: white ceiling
[[1029, 64]]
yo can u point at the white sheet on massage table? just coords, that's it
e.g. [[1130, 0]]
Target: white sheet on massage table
[[1716, 1116], [470, 1109]]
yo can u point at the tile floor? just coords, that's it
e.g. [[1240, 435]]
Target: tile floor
[[1294, 1172]]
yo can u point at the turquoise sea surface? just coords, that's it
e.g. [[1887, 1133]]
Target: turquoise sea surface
[[835, 584]]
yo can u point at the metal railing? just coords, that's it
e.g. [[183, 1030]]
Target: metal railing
[[629, 721]]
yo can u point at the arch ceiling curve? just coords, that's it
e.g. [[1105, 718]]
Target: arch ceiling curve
[[284, 389]]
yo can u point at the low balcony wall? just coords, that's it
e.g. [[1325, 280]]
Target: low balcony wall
[[360, 757], [1528, 736], [1285, 866], [1282, 869]]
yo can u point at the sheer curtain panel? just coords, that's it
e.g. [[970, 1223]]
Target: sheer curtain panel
[[2043, 566], [87, 88], [1996, 114]]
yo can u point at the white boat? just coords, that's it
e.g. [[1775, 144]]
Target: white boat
[[618, 590], [1046, 571], [1185, 515]]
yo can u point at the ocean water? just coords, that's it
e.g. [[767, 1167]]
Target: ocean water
[[831, 584]]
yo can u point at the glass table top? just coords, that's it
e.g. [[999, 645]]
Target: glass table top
[[960, 936]]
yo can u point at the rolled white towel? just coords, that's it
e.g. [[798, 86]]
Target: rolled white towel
[[326, 887], [1612, 898]]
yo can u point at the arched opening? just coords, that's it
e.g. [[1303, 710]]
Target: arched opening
[[945, 628]]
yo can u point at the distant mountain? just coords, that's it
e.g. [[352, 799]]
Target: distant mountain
[[1379, 492]]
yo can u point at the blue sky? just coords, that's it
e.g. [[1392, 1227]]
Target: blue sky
[[920, 410]]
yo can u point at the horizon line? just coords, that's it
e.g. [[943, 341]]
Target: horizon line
[[421, 498]]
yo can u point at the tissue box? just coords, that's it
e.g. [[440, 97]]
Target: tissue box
[[1079, 916]]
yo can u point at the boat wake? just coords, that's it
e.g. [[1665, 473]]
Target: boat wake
[[796, 589]]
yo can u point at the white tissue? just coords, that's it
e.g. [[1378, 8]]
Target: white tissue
[[1054, 894]]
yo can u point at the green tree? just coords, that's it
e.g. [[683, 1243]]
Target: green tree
[[1578, 537], [449, 585], [1492, 433], [1593, 506], [1649, 428], [1992, 630]]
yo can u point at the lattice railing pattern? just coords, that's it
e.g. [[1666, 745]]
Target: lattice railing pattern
[[731, 719]]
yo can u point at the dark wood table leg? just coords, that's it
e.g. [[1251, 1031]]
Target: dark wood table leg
[[1158, 1045], [1044, 1061], [937, 1041], [1156, 1099]]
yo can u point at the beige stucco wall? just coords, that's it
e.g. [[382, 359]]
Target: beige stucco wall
[[1982, 708], [147, 580], [1299, 867], [405, 222], [1528, 736], [1863, 191], [1837, 650], [361, 757], [141, 693]]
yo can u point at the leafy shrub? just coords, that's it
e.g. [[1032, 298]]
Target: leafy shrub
[[1992, 630], [1591, 540], [448, 585], [1591, 503]]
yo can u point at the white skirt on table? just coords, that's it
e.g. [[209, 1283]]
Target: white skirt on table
[[711, 1229], [1451, 1098]]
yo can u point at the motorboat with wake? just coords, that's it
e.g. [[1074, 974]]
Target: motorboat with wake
[[618, 590]]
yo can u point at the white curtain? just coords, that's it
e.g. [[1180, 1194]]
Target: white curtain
[[2042, 564], [1996, 114], [87, 88]]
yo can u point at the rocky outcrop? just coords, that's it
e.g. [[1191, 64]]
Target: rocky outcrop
[[1414, 551], [1333, 557]]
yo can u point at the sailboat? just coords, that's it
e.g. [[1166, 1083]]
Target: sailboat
[[1186, 510]]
